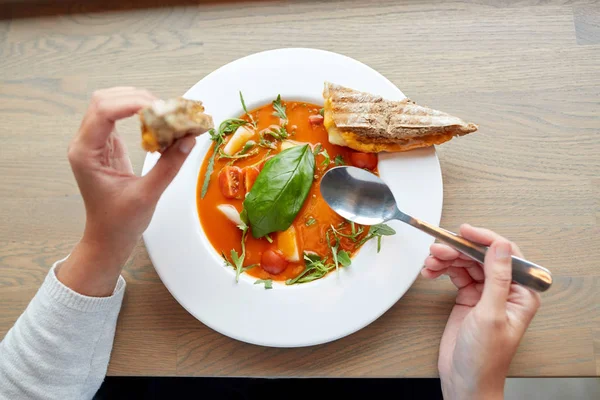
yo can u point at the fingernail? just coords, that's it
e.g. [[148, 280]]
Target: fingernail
[[187, 144], [503, 251]]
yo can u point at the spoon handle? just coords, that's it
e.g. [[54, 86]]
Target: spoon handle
[[524, 272]]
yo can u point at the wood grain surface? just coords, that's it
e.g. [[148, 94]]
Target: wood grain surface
[[528, 72]]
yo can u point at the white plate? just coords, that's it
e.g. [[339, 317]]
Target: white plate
[[307, 314]]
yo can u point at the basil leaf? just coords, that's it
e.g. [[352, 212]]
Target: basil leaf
[[280, 190]]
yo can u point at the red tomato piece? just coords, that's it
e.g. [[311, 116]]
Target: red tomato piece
[[273, 262], [315, 119], [364, 160], [250, 175], [230, 182]]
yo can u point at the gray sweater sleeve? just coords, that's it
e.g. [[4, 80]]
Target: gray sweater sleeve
[[60, 346]]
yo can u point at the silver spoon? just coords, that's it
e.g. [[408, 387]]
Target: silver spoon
[[364, 198]]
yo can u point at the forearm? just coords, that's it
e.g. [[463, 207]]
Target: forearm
[[94, 266], [60, 346]]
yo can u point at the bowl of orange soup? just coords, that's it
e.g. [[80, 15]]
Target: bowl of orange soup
[[242, 238]]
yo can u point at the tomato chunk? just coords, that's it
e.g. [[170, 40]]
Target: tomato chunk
[[273, 262], [230, 182], [315, 119], [250, 175], [364, 160]]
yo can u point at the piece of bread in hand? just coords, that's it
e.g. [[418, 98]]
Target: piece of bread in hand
[[165, 121], [371, 124]]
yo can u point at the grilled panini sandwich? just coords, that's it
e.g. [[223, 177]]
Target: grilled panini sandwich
[[371, 124]]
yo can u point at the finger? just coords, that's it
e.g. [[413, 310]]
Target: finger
[[167, 167], [459, 277], [485, 237], [468, 296], [435, 264], [443, 252], [431, 274], [108, 107], [523, 303], [498, 276], [476, 273]]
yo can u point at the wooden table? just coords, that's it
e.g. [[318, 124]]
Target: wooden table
[[529, 74]]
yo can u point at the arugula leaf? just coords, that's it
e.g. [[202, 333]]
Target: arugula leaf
[[325, 154], [226, 127], [353, 236], [333, 248], [231, 125], [381, 230], [279, 108], [280, 190], [339, 160], [277, 134], [267, 282], [317, 149], [249, 267], [316, 268], [238, 155], [266, 144], [246, 109], [238, 260], [310, 221], [210, 167], [248, 146], [344, 258], [378, 231]]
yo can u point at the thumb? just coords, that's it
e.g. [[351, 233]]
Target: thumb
[[167, 167], [498, 276]]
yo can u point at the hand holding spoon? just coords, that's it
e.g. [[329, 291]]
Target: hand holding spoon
[[364, 198]]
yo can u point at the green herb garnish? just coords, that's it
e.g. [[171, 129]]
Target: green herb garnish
[[267, 282], [315, 268], [238, 155], [310, 221], [226, 128], [333, 248], [279, 108], [378, 231], [353, 236], [231, 125], [266, 144], [211, 161], [339, 160], [317, 149], [246, 110], [325, 154], [321, 111], [344, 258], [277, 134], [237, 260]]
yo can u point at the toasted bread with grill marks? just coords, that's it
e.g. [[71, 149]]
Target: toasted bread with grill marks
[[371, 124]]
